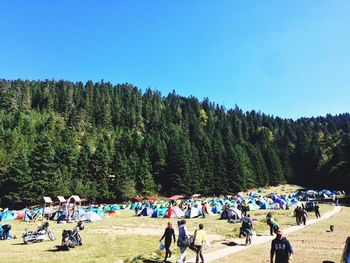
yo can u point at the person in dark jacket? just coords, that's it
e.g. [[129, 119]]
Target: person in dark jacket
[[317, 211], [281, 247], [304, 216], [169, 234]]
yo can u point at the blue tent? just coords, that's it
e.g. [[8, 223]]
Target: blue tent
[[115, 207], [265, 205], [27, 215], [107, 208], [293, 201], [275, 206], [133, 206], [147, 211], [216, 209], [7, 216], [159, 212]]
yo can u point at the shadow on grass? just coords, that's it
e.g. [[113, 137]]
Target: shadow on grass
[[57, 249], [232, 244]]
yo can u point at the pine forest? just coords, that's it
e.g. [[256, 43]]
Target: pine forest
[[111, 142]]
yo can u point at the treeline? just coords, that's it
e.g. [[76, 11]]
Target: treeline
[[108, 142]]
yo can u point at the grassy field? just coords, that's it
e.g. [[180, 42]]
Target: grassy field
[[136, 239], [315, 243]]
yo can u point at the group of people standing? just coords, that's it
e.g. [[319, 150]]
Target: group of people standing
[[185, 241], [300, 215]]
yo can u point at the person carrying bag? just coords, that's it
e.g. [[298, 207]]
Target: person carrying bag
[[183, 241]]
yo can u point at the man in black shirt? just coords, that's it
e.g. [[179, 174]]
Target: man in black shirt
[[169, 233], [282, 248]]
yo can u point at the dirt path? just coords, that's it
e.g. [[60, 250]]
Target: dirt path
[[236, 245]]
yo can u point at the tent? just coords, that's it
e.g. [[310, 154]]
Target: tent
[[175, 212], [113, 213], [137, 198], [96, 209], [293, 201], [192, 213], [280, 201], [115, 207], [92, 216], [24, 215], [7, 215], [176, 197], [232, 213], [241, 194], [159, 212], [78, 214], [106, 208], [133, 206], [253, 206], [147, 211], [20, 215], [265, 205], [216, 209], [275, 206]]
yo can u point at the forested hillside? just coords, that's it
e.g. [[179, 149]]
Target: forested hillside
[[108, 142]]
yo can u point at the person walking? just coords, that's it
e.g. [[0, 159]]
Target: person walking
[[246, 229], [200, 238], [204, 210], [271, 222], [317, 211], [304, 216], [169, 234], [297, 212], [281, 249], [183, 240]]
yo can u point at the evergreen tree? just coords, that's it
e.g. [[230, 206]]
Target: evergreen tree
[[15, 190]]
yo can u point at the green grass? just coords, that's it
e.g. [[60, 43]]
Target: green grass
[[129, 238]]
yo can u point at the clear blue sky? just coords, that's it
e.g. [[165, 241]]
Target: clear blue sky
[[284, 58]]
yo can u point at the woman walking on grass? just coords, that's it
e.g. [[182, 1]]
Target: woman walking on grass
[[169, 234], [200, 238]]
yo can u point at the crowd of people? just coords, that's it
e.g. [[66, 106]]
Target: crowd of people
[[281, 250], [194, 242]]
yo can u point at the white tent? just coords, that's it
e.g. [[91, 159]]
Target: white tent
[[92, 216], [191, 213]]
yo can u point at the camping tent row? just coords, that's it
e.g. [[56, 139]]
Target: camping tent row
[[172, 212], [176, 212], [92, 213], [253, 201]]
